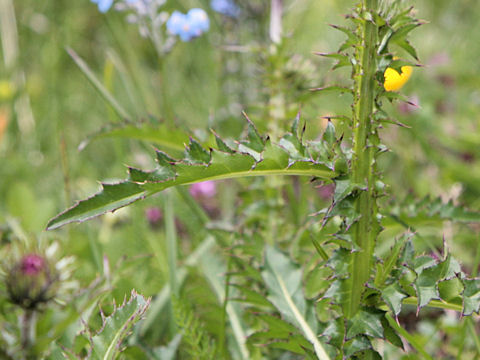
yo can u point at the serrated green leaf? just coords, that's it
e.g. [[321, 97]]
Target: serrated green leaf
[[354, 346], [334, 88], [289, 158], [391, 260], [450, 289], [471, 296], [405, 45], [196, 154], [106, 343], [426, 286], [329, 135], [335, 332], [339, 262], [343, 188], [366, 321], [342, 59], [283, 280], [222, 146], [391, 335], [294, 147], [393, 297], [112, 197], [403, 31], [350, 33], [338, 291], [428, 278], [255, 141]]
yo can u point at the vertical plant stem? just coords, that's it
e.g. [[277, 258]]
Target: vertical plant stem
[[363, 168], [28, 332], [171, 239], [223, 336]]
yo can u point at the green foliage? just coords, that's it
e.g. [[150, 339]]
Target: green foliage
[[198, 344], [256, 272], [254, 156], [108, 341]]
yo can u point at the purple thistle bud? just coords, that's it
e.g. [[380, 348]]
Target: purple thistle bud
[[31, 281], [154, 216], [32, 264]]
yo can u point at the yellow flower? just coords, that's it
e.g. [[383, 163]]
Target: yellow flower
[[395, 81]]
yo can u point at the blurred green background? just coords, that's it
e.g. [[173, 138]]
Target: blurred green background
[[47, 108]]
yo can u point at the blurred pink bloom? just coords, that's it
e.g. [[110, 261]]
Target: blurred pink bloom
[[439, 59], [203, 189], [153, 215], [32, 264], [326, 191]]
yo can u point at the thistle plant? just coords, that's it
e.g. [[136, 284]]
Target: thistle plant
[[358, 293]]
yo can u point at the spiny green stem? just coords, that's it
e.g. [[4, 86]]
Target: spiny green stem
[[363, 168]]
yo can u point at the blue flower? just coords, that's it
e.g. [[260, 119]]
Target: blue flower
[[103, 5], [225, 7], [188, 26], [198, 21], [178, 24]]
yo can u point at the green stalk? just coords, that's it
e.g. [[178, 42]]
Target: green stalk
[[411, 339], [171, 239], [365, 230]]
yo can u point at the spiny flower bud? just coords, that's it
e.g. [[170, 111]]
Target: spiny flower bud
[[31, 281]]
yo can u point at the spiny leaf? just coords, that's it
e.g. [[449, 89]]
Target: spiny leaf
[[390, 334], [106, 344], [426, 284], [393, 297], [329, 135], [112, 197], [342, 59], [196, 154], [333, 88], [335, 332], [354, 346], [339, 262], [426, 211], [289, 157], [471, 296], [391, 260], [366, 321], [402, 32], [350, 33]]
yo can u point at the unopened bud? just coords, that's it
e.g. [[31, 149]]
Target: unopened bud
[[31, 281]]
